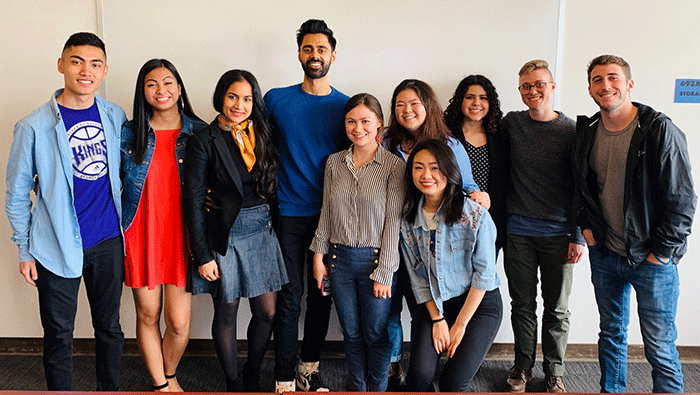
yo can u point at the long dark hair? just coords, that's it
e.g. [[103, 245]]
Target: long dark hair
[[454, 117], [453, 197], [434, 126], [265, 154], [142, 110]]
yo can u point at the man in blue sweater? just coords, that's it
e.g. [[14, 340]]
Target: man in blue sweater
[[307, 120]]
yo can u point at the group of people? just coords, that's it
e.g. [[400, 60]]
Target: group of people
[[306, 179]]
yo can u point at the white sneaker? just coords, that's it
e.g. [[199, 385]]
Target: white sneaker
[[284, 386]]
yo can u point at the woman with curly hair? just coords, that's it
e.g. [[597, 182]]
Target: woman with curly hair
[[474, 117]]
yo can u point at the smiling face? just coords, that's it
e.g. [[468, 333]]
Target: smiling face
[[538, 98], [362, 126], [84, 68], [161, 90], [609, 87], [316, 55], [475, 104], [409, 111], [427, 176], [238, 102]]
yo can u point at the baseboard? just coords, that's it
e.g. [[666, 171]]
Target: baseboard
[[333, 349]]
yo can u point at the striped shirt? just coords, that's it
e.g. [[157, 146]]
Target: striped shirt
[[362, 208]]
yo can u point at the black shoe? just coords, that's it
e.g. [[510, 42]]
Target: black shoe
[[397, 377], [311, 382], [235, 385]]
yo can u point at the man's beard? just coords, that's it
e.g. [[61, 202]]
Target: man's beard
[[315, 73]]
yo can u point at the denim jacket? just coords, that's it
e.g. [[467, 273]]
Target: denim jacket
[[465, 254], [134, 174], [49, 232]]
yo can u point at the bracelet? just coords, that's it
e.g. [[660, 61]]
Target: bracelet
[[439, 319]]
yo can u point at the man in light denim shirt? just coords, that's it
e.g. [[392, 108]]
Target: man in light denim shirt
[[71, 145]]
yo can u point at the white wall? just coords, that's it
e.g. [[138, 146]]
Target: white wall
[[379, 44]]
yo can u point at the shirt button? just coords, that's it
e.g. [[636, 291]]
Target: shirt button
[[333, 256], [180, 161], [376, 251], [129, 152], [376, 261], [333, 266]]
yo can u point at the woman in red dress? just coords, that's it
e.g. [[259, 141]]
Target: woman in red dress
[[153, 150]]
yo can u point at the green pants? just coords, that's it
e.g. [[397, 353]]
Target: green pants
[[523, 255]]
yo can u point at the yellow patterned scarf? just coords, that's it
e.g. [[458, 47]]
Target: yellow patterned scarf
[[244, 136]]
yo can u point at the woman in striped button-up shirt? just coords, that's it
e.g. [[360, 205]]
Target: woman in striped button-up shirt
[[359, 230]]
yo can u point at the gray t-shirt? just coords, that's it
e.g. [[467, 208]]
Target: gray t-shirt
[[609, 161]]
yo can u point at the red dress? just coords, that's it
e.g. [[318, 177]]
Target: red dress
[[155, 241]]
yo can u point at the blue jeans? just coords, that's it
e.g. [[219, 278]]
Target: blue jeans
[[403, 289], [657, 289], [362, 316]]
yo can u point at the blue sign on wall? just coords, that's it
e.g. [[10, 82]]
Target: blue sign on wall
[[687, 91]]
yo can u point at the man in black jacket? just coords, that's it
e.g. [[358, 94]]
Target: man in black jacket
[[632, 172]]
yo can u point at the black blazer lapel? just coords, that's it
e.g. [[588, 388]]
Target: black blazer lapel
[[226, 158]]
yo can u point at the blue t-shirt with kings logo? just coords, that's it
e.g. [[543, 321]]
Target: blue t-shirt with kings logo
[[92, 197]]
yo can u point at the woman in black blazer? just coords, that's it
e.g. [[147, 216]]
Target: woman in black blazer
[[235, 252]]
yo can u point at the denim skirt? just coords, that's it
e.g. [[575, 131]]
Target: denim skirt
[[253, 264]]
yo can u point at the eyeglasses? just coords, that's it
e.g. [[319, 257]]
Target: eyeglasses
[[539, 85]]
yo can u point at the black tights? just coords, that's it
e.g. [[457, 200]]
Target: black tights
[[223, 330]]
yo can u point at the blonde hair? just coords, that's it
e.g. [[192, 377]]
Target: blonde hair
[[533, 65]]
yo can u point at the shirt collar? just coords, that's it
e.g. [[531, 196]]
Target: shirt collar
[[379, 156]]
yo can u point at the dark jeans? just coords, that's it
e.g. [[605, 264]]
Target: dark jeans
[[524, 257], [103, 272], [403, 289], [295, 235], [362, 315], [461, 368]]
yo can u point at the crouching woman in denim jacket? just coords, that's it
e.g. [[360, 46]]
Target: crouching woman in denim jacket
[[448, 243]]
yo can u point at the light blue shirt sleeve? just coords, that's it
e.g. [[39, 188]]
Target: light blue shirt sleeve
[[417, 270], [465, 166], [20, 181], [484, 276]]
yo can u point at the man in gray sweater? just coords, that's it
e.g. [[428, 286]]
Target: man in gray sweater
[[540, 230]]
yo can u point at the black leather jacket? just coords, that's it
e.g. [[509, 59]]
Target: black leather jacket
[[659, 201]]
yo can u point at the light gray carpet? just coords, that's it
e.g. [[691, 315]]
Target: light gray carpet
[[203, 374]]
